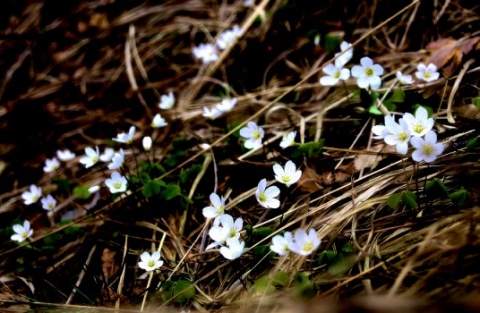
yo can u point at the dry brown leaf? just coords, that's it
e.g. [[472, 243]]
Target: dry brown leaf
[[109, 266], [363, 161], [447, 54]]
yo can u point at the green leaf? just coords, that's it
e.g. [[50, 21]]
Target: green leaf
[[300, 279], [459, 196], [261, 250], [342, 264], [332, 42], [472, 143], [394, 200], [182, 291], [81, 192], [311, 149], [171, 191], [391, 107], [398, 96], [262, 232], [263, 285], [347, 248], [151, 188], [476, 102], [281, 278], [436, 187], [304, 292], [410, 199], [326, 256], [374, 110]]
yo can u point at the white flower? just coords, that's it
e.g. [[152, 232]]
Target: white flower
[[266, 197], [117, 160], [288, 140], [426, 149], [305, 244], [212, 113], [427, 73], [404, 79], [398, 135], [217, 208], [33, 195], [248, 3], [107, 155], [233, 250], [229, 229], [51, 165], [93, 189], [48, 203], [368, 74], [158, 121], [124, 137], [419, 124], [22, 232], [287, 176], [226, 105], [228, 37], [254, 135], [334, 74], [65, 155], [346, 57], [206, 52], [150, 262], [281, 244], [117, 183], [147, 143], [167, 101]]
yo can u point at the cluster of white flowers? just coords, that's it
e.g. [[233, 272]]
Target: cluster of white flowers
[[208, 52], [300, 242], [416, 130], [368, 73], [224, 106]]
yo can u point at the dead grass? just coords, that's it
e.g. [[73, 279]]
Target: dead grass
[[78, 79]]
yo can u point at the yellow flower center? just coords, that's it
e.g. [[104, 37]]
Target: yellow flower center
[[402, 136], [285, 178], [262, 197], [24, 235], [369, 71], [427, 149], [307, 247], [94, 159], [117, 185], [220, 209], [418, 128], [151, 263], [233, 233], [427, 74], [256, 134], [336, 75]]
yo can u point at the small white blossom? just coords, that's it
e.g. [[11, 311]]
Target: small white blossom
[[158, 121], [150, 262], [228, 37], [212, 113], [228, 229], [419, 124], [287, 176], [33, 195], [346, 57], [116, 183], [427, 73], [248, 3], [49, 203], [334, 75], [65, 155], [51, 165], [254, 135], [233, 250], [124, 137], [305, 244], [426, 149], [368, 74], [93, 189], [288, 140], [404, 79], [167, 101], [217, 208], [117, 160], [206, 52], [22, 232], [226, 105], [107, 155], [266, 197], [147, 143], [398, 135], [281, 244]]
